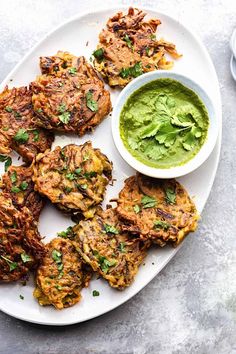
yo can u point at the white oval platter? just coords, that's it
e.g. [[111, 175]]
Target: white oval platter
[[79, 36]]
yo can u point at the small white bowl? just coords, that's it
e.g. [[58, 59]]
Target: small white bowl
[[171, 172]]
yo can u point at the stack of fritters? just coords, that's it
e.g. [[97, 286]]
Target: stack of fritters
[[158, 210], [114, 254], [61, 276], [74, 177], [18, 130], [69, 96], [20, 245], [128, 48]]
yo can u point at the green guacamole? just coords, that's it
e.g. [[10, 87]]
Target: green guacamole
[[164, 124]]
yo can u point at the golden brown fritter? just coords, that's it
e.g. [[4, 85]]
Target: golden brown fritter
[[128, 48], [17, 128], [20, 245], [159, 210], [17, 183], [61, 276], [74, 177], [69, 96], [115, 255]]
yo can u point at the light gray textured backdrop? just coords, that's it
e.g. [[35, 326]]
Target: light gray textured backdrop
[[191, 306]]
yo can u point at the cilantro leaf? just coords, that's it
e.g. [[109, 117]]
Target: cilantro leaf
[[25, 258], [99, 54], [190, 138], [13, 177], [91, 104], [72, 71], [96, 293], [7, 160], [148, 202], [56, 256], [110, 229], [159, 224], [24, 185], [122, 247], [133, 71], [128, 41], [15, 189], [36, 135], [136, 208], [12, 265], [64, 117], [8, 109], [67, 233], [71, 176], [21, 136], [170, 195]]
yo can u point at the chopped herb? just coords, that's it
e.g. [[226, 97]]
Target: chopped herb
[[39, 110], [17, 114], [147, 49], [5, 129], [63, 156], [104, 262], [110, 229], [133, 71], [8, 163], [21, 136], [15, 189], [21, 297], [8, 109], [99, 54], [96, 293], [7, 160], [136, 208], [159, 224], [128, 41], [67, 189], [58, 287], [84, 186], [12, 265], [72, 71], [56, 256], [122, 247], [65, 234], [25, 258], [64, 117], [36, 135], [91, 104], [86, 157], [13, 177], [62, 108], [24, 185], [78, 170], [153, 37], [60, 266], [70, 176], [170, 196], [90, 174], [148, 202]]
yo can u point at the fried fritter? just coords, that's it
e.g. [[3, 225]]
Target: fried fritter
[[20, 244], [115, 255], [159, 210], [61, 276], [69, 96], [17, 128], [17, 183], [74, 177], [128, 48]]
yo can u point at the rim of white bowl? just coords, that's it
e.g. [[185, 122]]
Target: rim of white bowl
[[206, 148]]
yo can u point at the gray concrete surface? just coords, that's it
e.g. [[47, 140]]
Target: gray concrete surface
[[191, 306]]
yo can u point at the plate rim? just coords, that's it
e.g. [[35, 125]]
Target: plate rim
[[187, 28]]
